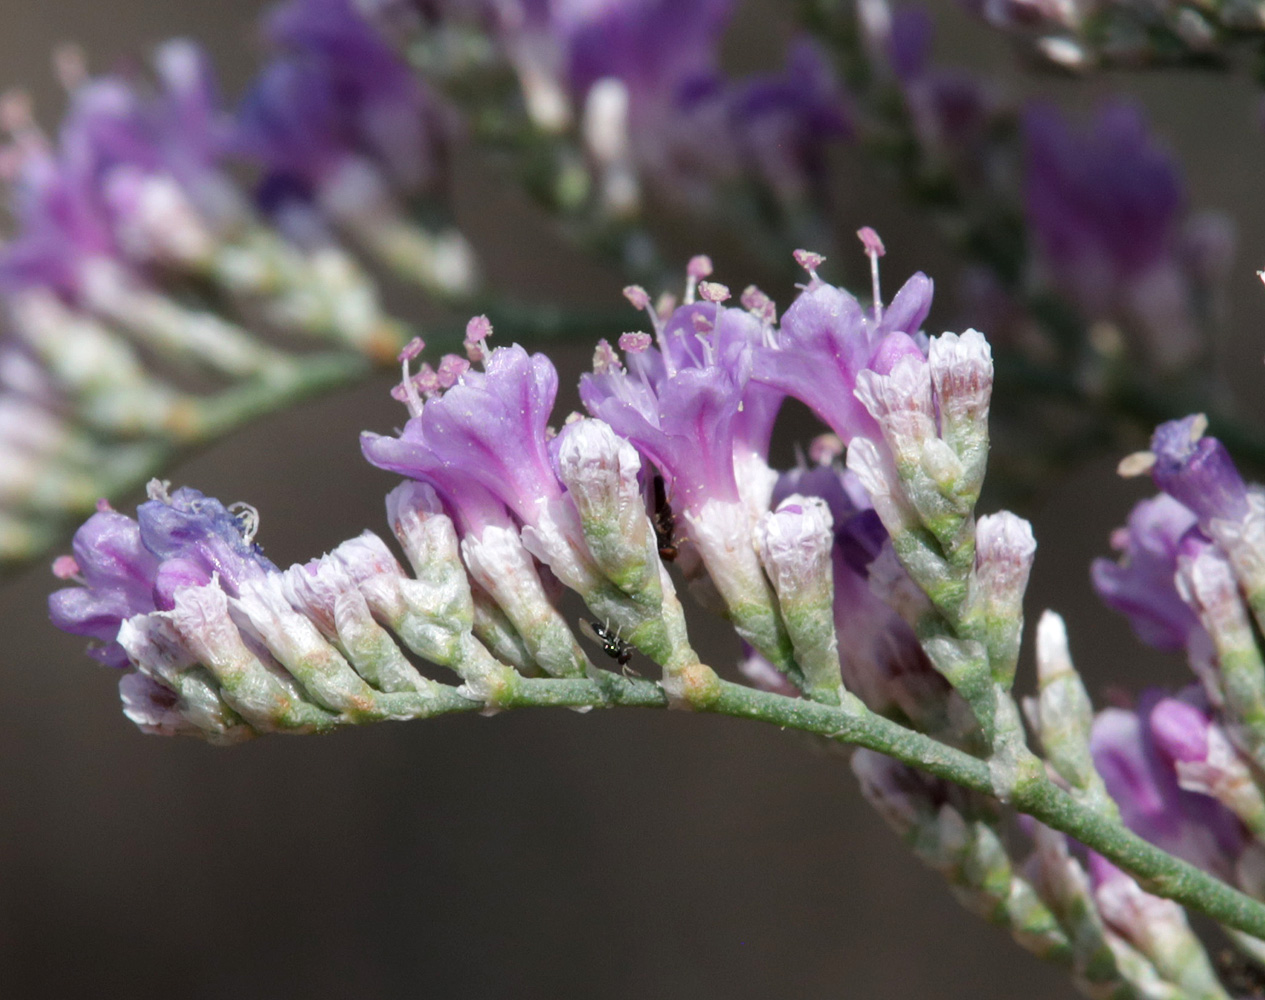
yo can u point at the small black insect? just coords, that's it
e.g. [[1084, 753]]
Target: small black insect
[[664, 521], [612, 645]]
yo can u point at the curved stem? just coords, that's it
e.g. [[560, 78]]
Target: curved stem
[[1157, 871]]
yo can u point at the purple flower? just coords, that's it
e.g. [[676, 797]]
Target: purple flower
[[826, 339], [1107, 196], [1142, 780], [691, 406], [1142, 585], [489, 431], [1181, 730], [784, 122], [1197, 471], [338, 92], [655, 47], [128, 170], [118, 577], [129, 567], [196, 537], [1106, 207]]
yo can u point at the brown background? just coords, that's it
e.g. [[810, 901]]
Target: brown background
[[621, 854]]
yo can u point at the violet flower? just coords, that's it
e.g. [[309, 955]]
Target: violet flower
[[489, 430], [337, 94], [128, 567], [1107, 206], [1197, 471], [117, 573], [824, 342], [1141, 585], [1141, 779]]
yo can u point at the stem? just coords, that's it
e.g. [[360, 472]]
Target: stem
[[1158, 872]]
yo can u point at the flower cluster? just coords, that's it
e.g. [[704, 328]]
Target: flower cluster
[[1185, 768], [146, 284], [864, 587], [671, 463]]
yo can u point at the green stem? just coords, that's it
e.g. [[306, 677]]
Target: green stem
[[1157, 871]]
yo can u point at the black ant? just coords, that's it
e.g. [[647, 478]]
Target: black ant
[[612, 645], [664, 521]]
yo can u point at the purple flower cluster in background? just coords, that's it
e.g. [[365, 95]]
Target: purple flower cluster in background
[[1189, 579], [1106, 207]]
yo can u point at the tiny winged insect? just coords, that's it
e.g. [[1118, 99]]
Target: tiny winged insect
[[664, 521], [612, 645]]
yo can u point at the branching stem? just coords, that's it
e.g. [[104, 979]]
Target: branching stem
[[1157, 871]]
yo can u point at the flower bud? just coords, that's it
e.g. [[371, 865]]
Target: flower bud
[[795, 543], [172, 694], [1063, 716], [962, 376], [429, 619], [265, 696], [499, 563], [1004, 550], [1206, 581], [721, 530], [324, 592], [600, 471], [1156, 927]]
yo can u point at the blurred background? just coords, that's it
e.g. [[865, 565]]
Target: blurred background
[[606, 855]]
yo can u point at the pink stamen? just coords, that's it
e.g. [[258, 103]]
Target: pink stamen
[[451, 368], [411, 350], [699, 267], [874, 249], [634, 343], [478, 330], [65, 568], [809, 261], [605, 360], [713, 291], [638, 296], [759, 305]]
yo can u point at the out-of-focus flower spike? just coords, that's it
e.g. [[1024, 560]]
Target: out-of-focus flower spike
[[102, 376], [795, 542], [1206, 581], [1063, 716], [179, 333], [262, 694], [1004, 550], [1207, 762], [1103, 963], [968, 854], [1155, 927]]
